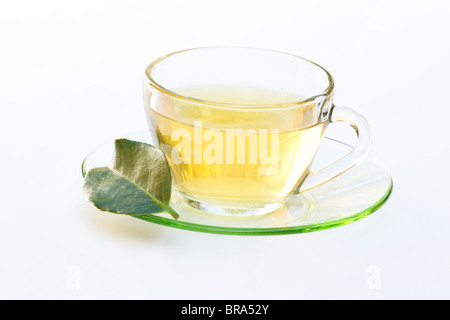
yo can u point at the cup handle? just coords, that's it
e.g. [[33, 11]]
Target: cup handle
[[359, 152]]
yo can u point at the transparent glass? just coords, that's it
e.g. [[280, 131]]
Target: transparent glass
[[351, 196], [240, 127]]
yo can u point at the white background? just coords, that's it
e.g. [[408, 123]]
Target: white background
[[70, 79]]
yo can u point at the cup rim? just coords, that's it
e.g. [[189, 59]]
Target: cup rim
[[210, 103]]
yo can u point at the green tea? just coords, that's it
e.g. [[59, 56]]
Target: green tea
[[229, 155]]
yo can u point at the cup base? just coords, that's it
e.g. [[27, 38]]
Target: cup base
[[235, 210]]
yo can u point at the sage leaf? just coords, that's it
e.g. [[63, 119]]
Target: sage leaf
[[139, 181]]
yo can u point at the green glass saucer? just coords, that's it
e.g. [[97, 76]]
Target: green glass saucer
[[353, 195]]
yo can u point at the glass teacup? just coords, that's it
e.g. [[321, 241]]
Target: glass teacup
[[240, 127]]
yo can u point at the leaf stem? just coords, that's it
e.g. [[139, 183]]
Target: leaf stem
[[172, 212]]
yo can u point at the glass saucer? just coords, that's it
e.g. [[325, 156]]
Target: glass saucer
[[353, 195]]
